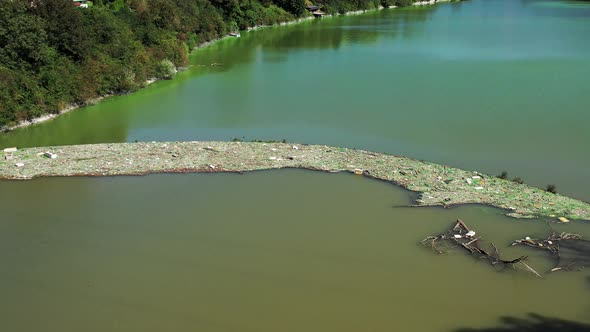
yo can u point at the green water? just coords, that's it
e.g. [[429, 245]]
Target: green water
[[267, 251], [489, 85], [485, 84]]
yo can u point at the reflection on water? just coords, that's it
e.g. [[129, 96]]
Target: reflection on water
[[62, 131], [267, 251], [275, 44], [583, 7]]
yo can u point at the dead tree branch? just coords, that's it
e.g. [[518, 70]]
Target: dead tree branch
[[555, 243], [461, 236]]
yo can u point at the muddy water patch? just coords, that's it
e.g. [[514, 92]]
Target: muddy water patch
[[286, 250]]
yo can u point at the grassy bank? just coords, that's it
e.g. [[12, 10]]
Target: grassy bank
[[437, 184]]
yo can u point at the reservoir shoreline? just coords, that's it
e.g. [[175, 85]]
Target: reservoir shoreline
[[436, 185], [93, 101]]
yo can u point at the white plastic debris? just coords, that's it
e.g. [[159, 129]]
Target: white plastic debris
[[457, 236], [476, 177], [273, 158], [469, 181], [212, 166], [470, 234], [358, 171], [550, 242], [50, 155], [478, 188], [527, 238], [273, 149], [295, 147], [20, 164], [10, 150]]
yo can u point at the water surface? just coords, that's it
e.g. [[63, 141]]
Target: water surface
[[489, 85], [485, 84], [266, 251]]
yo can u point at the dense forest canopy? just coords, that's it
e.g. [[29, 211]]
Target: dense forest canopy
[[54, 54]]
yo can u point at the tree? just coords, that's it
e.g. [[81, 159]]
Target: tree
[[64, 27], [296, 7], [23, 40]]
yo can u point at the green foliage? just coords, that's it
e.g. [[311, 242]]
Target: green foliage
[[295, 7], [23, 38], [404, 3], [59, 80], [64, 27], [343, 6], [165, 69], [21, 97]]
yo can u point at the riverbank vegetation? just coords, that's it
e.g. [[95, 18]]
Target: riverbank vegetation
[[54, 54]]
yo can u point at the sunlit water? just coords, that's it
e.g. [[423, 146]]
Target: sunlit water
[[266, 251], [489, 85]]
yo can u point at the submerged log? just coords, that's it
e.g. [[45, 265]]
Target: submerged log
[[461, 236]]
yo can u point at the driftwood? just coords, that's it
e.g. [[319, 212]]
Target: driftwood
[[571, 252], [463, 237]]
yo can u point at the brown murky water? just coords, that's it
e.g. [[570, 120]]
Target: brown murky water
[[284, 250]]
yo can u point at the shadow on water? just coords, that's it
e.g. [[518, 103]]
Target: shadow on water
[[535, 322], [575, 251], [532, 323]]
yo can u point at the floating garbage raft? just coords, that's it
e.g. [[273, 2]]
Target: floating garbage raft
[[436, 185]]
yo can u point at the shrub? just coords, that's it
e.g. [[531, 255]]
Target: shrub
[[404, 3], [518, 180], [503, 175], [126, 81], [165, 69], [387, 3], [551, 189]]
